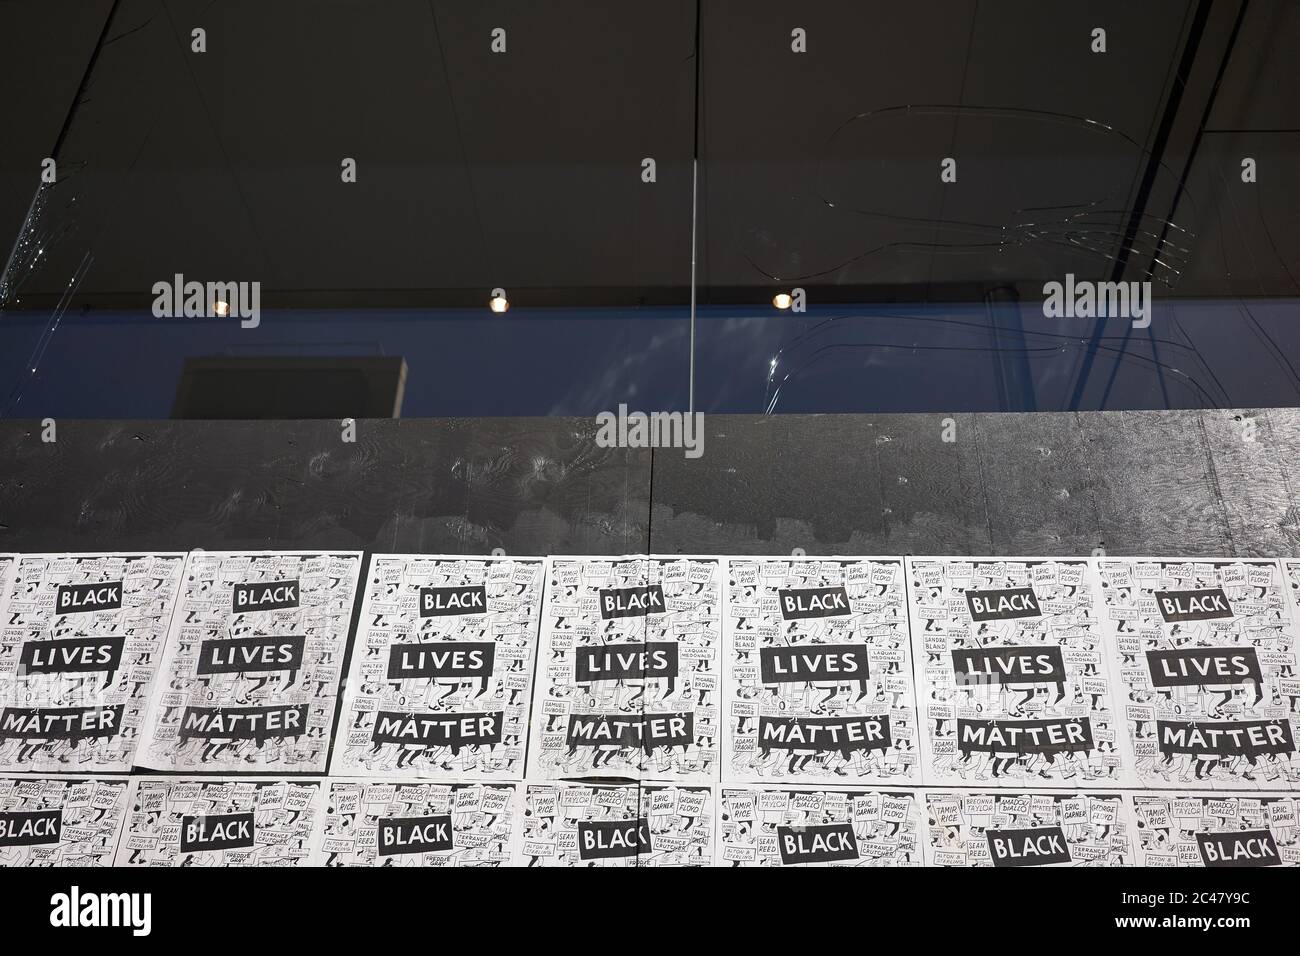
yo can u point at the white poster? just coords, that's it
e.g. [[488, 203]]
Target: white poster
[[1005, 829], [1206, 657], [8, 562], [809, 826], [252, 665], [648, 824], [627, 671], [172, 821], [1015, 685], [1216, 829], [442, 669], [60, 821], [417, 823], [819, 672], [82, 638]]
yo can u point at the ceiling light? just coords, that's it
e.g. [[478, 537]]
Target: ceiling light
[[221, 308], [498, 302], [781, 300]]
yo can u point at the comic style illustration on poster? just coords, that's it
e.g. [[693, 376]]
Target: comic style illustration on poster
[[442, 667], [417, 823], [651, 824], [1014, 682], [1216, 829], [1003, 828], [806, 826], [1206, 658], [252, 665], [627, 671], [60, 821], [819, 674], [172, 821], [82, 638], [7, 564]]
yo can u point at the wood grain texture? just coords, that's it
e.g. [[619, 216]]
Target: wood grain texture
[[1252, 481], [1282, 431], [770, 485], [1127, 482], [1154, 484], [529, 486], [932, 489], [1038, 488]]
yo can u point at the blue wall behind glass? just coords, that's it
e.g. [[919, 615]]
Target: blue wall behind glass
[[881, 358]]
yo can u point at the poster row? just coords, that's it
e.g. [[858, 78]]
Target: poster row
[[1087, 673], [171, 821]]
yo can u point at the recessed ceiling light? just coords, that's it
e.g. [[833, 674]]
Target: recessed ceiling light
[[781, 300], [498, 302]]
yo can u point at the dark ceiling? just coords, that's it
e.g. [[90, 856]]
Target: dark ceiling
[[523, 169]]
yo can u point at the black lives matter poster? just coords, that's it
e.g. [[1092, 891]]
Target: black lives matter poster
[[1216, 830], [442, 669], [60, 821], [586, 825], [251, 671], [1015, 682], [791, 825], [417, 823], [1206, 652], [628, 674], [1012, 829], [174, 821], [818, 671], [81, 640]]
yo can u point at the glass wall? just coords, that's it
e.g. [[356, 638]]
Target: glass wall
[[961, 207]]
